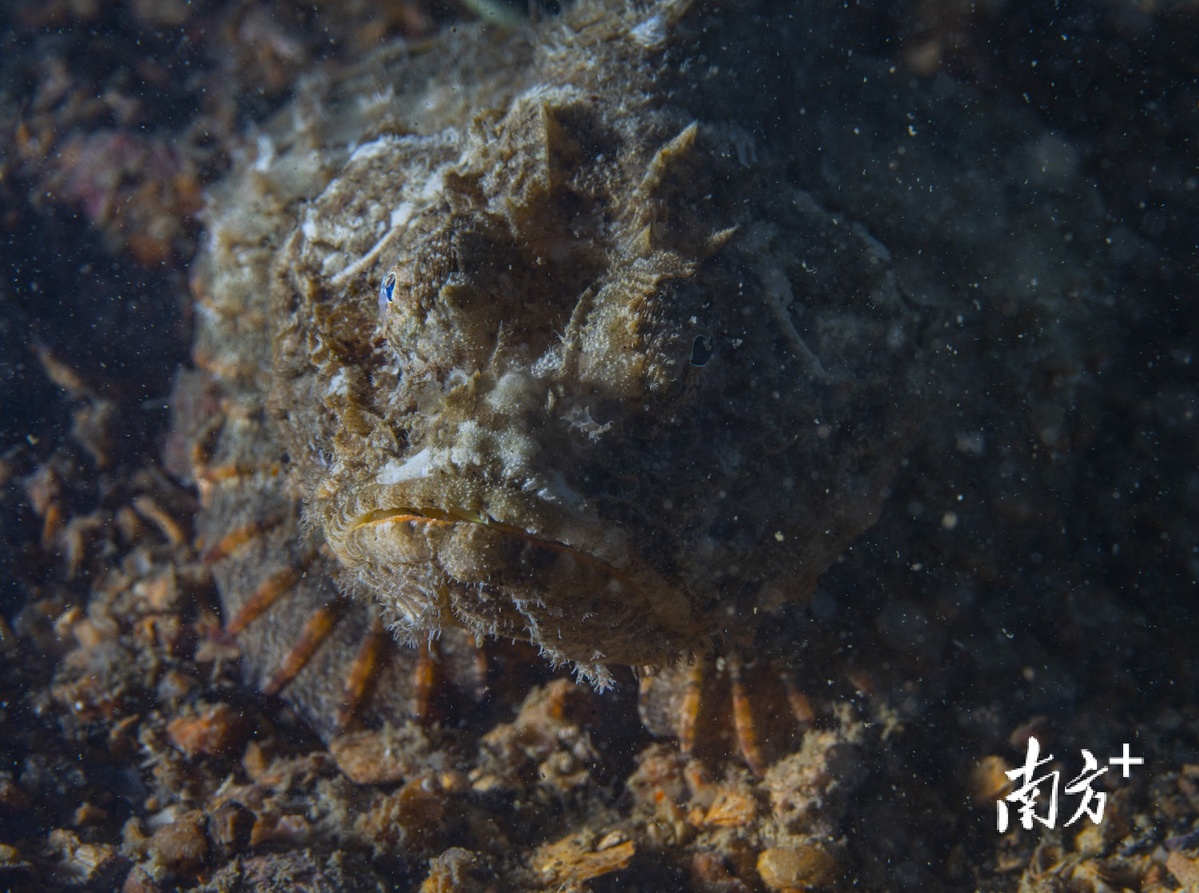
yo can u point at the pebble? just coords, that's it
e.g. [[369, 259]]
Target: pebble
[[218, 731], [796, 867]]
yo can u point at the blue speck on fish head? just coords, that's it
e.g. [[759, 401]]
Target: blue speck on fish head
[[387, 290]]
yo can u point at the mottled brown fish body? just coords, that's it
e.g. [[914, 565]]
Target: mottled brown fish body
[[545, 345]]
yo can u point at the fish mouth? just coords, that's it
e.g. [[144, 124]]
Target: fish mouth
[[431, 566], [447, 517], [431, 515]]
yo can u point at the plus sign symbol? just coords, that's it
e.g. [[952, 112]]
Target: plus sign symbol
[[1125, 762]]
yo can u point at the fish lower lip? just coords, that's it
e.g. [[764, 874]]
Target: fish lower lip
[[447, 517], [421, 515], [444, 517]]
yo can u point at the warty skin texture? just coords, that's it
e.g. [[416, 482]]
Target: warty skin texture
[[587, 380], [537, 336]]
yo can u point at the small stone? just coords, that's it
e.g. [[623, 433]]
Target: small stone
[[89, 814], [218, 731], [159, 593], [410, 818], [1184, 868], [140, 881], [11, 860], [731, 809], [180, 846], [989, 781], [133, 838], [229, 826], [86, 865], [575, 859], [285, 830], [452, 872], [796, 867], [255, 761], [709, 872], [375, 757], [96, 631], [173, 687]]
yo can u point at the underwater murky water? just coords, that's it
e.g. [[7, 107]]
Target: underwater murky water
[[379, 382]]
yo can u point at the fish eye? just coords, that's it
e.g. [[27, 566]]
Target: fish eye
[[387, 290]]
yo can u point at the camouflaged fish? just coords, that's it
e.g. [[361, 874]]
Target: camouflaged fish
[[531, 333]]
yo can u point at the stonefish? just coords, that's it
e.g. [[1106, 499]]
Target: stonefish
[[534, 333]]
